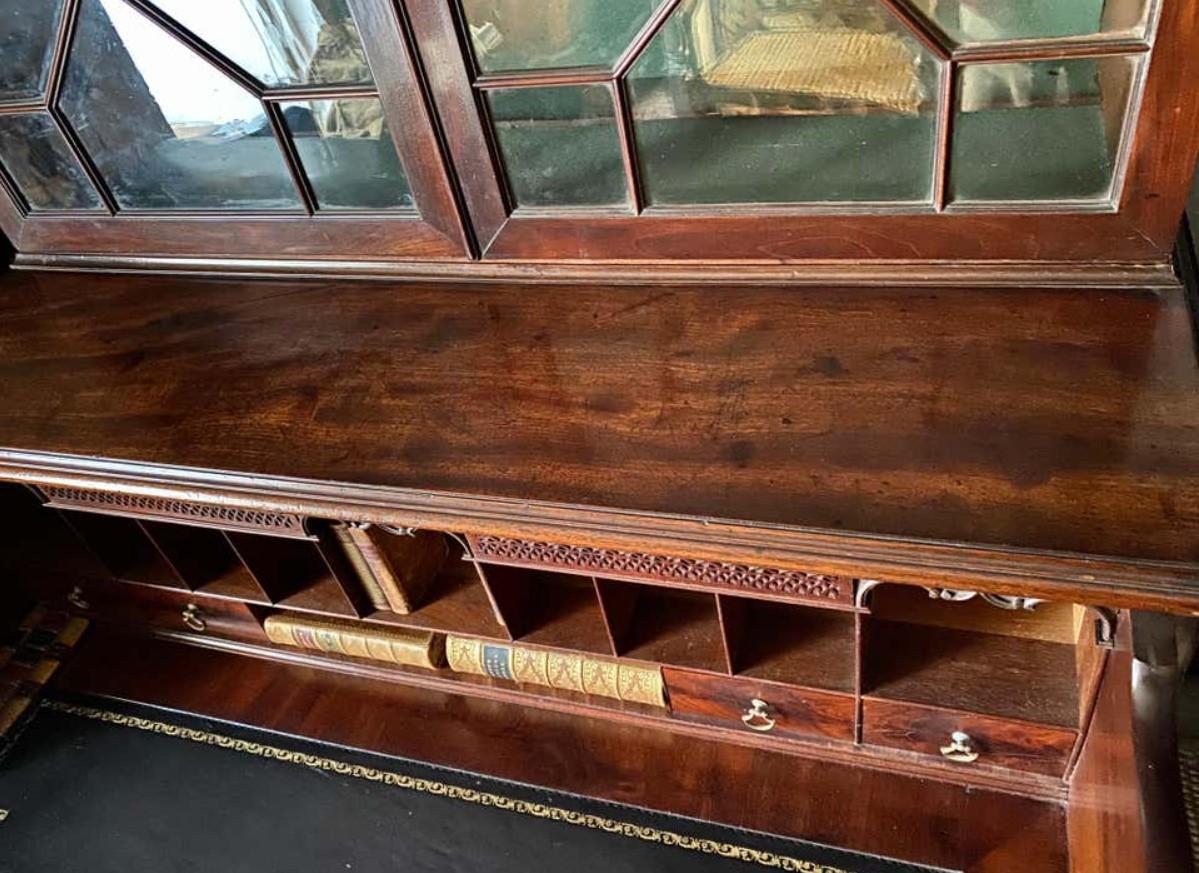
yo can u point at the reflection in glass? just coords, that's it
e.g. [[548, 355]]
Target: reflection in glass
[[348, 154], [1040, 130], [975, 21], [523, 35], [37, 158], [167, 130], [27, 29], [560, 146], [279, 42], [741, 101]]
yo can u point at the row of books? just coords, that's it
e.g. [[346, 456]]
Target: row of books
[[570, 671]]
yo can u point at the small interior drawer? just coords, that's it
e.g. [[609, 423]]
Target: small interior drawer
[[146, 607], [996, 742], [783, 711]]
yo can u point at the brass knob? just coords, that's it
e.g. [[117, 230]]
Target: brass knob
[[75, 598], [193, 619], [757, 717], [961, 748]]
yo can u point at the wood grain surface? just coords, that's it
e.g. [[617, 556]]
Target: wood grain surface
[[1043, 419]]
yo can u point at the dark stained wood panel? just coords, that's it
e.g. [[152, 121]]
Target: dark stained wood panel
[[1052, 419]]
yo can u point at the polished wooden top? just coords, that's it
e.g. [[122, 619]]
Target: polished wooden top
[[1040, 419]]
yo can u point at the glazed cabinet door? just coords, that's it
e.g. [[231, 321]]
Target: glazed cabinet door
[[232, 128], [787, 130]]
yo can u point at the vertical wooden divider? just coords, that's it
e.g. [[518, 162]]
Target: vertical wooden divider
[[618, 603], [616, 622], [340, 569], [860, 641], [123, 548], [201, 556], [732, 614], [501, 602], [283, 569], [148, 533]]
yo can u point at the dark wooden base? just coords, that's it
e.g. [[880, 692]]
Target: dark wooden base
[[857, 808]]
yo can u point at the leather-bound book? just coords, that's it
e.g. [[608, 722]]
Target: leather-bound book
[[570, 671], [396, 569], [354, 556], [412, 648]]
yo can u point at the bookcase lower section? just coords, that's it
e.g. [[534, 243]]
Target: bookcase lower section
[[896, 688]]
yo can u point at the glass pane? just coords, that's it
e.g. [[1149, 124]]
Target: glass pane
[[560, 145], [348, 154], [167, 130], [971, 21], [37, 158], [740, 102], [279, 42], [524, 35], [27, 29], [1041, 130]]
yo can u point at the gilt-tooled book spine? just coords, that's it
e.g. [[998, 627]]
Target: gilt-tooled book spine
[[411, 648], [362, 569], [604, 677], [402, 566]]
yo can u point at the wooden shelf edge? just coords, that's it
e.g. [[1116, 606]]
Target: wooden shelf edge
[[879, 272]]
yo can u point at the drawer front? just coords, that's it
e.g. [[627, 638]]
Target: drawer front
[[783, 711], [145, 607], [996, 742]]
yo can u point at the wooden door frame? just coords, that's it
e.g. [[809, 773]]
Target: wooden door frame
[[437, 231], [1138, 228]]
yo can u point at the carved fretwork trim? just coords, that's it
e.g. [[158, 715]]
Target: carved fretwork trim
[[203, 514], [640, 565]]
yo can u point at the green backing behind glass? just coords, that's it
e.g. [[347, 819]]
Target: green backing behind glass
[[560, 145], [1040, 130], [971, 21], [348, 154], [833, 102]]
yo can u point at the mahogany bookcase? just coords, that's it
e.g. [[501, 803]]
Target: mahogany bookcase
[[855, 401]]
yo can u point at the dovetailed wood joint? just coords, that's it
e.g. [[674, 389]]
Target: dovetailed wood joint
[[661, 568], [163, 509]]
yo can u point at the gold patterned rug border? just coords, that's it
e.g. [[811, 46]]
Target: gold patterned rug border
[[468, 795]]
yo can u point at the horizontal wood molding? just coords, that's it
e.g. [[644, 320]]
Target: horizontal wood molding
[[1099, 580], [1097, 274]]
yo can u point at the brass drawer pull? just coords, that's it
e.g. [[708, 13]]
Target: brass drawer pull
[[961, 748], [757, 717], [75, 598], [193, 619]]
